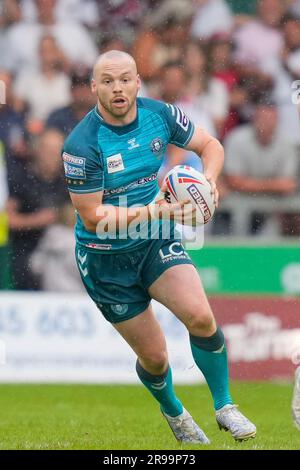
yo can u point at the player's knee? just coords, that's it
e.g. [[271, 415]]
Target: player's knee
[[156, 362], [201, 323]]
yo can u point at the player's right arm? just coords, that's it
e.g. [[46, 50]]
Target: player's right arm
[[92, 211]]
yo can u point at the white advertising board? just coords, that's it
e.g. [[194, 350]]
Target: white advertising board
[[63, 338]]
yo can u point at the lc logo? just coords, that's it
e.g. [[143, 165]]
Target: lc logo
[[175, 249]]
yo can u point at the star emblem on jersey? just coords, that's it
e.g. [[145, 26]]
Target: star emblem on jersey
[[157, 146]]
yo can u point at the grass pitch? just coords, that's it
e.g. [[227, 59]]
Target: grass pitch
[[127, 417]]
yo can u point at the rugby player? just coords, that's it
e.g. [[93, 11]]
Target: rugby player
[[111, 161]]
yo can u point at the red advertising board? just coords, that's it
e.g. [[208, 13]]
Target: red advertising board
[[262, 335]]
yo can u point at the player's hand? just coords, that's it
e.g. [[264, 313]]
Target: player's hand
[[214, 190], [182, 212]]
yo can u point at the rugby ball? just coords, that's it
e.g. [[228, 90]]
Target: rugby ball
[[184, 182]]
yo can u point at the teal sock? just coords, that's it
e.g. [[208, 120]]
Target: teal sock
[[161, 387], [210, 356]]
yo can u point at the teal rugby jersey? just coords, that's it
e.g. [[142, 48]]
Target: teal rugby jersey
[[122, 161]]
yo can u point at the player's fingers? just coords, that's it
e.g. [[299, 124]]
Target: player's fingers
[[216, 198], [164, 187], [184, 203], [214, 192], [160, 197]]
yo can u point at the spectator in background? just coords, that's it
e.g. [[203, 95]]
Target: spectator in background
[[10, 12], [257, 42], [53, 259], [35, 193], [211, 17], [12, 126], [46, 88], [294, 7], [243, 8], [175, 89], [283, 70], [123, 16], [260, 159], [207, 93], [75, 11], [24, 37], [221, 67], [111, 41], [261, 38], [162, 38], [3, 220], [65, 119]]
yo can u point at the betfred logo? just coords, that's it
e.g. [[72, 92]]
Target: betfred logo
[[73, 160], [200, 201]]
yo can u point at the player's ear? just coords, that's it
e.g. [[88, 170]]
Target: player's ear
[[139, 83], [94, 86]]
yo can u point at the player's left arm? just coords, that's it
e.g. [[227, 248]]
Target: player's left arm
[[184, 134], [211, 151]]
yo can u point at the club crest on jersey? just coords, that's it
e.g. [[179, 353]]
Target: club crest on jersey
[[157, 146], [115, 163], [119, 309]]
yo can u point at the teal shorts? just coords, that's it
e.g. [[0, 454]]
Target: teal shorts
[[118, 283]]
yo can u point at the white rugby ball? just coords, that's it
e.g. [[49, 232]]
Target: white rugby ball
[[184, 182]]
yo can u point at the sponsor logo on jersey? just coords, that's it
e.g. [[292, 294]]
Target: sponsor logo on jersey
[[72, 159], [72, 171], [115, 163], [200, 201], [157, 146], [98, 246], [132, 144], [74, 166], [182, 119], [172, 252], [134, 184]]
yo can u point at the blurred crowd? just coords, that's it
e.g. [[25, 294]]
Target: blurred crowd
[[229, 64]]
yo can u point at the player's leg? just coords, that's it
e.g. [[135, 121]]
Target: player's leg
[[144, 335], [180, 289], [114, 285], [296, 399]]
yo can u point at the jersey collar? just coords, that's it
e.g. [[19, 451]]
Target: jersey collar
[[119, 129]]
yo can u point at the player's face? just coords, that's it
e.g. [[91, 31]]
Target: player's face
[[116, 85]]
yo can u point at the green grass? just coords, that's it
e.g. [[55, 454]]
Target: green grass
[[126, 417]]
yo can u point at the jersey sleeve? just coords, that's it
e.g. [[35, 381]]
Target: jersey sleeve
[[83, 168], [180, 127]]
